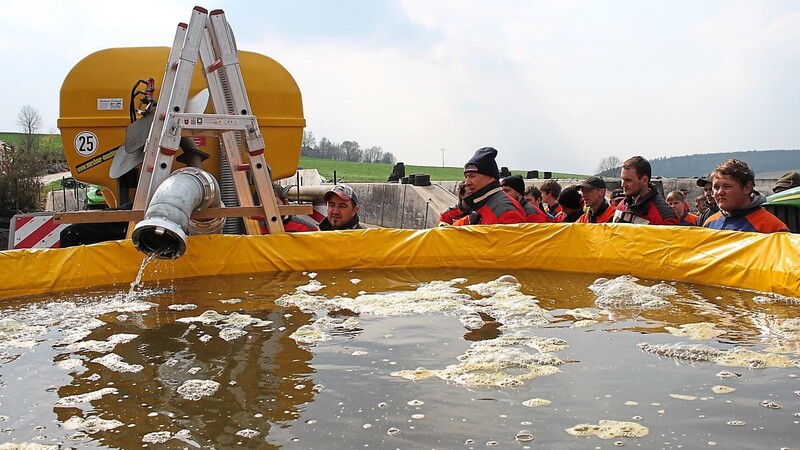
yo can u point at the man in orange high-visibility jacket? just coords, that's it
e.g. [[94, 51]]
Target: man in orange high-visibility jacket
[[514, 187], [593, 190], [485, 197]]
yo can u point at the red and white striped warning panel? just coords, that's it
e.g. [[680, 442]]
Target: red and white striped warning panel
[[37, 230]]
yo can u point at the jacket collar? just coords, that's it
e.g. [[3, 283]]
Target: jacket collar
[[756, 200], [479, 197]]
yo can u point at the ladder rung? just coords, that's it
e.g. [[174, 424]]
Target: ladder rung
[[242, 167]]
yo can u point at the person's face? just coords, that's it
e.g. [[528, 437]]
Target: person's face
[[549, 199], [529, 198], [729, 194], [340, 211], [511, 192], [708, 189], [700, 204], [677, 206], [633, 185], [615, 202], [593, 198], [474, 181]]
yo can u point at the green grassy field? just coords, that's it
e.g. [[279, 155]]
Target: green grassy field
[[361, 172]]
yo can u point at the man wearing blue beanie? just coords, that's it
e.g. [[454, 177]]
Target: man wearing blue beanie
[[485, 197]]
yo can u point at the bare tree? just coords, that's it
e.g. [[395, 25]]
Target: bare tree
[[609, 166], [309, 140], [29, 122]]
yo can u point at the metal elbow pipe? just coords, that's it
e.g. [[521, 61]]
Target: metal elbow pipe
[[167, 221]]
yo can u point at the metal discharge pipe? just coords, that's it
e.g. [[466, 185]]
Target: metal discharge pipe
[[168, 221]]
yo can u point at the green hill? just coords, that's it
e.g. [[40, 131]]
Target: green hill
[[377, 172], [761, 161]]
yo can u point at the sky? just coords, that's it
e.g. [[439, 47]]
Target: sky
[[553, 85]]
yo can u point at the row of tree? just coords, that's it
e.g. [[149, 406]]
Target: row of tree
[[346, 151]]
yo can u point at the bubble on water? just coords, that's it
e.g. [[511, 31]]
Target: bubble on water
[[102, 346], [696, 331], [382, 405], [209, 317], [625, 292], [197, 389], [93, 377], [69, 364], [536, 402], [505, 283], [637, 418], [769, 404], [631, 403], [91, 424], [205, 338], [683, 397], [114, 362], [366, 426], [469, 442], [157, 437], [609, 429], [122, 317], [393, 431], [720, 389], [359, 353], [492, 443], [247, 433], [182, 307], [524, 436], [231, 301], [583, 323], [712, 443], [736, 423], [73, 400], [415, 402], [355, 280], [194, 370], [418, 416], [619, 444], [311, 275]]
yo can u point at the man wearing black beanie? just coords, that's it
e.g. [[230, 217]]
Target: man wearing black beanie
[[485, 197], [514, 187]]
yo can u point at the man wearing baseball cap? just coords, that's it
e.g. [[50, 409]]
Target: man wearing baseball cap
[[342, 203], [712, 208], [593, 190], [485, 197], [787, 181]]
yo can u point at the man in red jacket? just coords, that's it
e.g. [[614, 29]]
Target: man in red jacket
[[642, 204], [514, 187], [593, 191], [485, 197]]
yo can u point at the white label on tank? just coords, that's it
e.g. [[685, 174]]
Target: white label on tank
[[86, 143], [109, 104]]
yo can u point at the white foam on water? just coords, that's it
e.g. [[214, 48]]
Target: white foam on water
[[312, 286], [15, 334], [231, 301], [318, 331], [247, 433], [683, 397], [229, 334], [355, 280], [114, 362], [27, 446], [102, 346], [720, 389], [625, 292], [696, 331], [197, 389], [472, 321], [92, 424], [157, 437], [583, 313], [182, 307], [609, 429], [536, 402], [73, 400], [500, 362], [69, 364]]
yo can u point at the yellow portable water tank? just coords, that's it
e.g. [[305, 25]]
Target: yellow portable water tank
[[95, 100]]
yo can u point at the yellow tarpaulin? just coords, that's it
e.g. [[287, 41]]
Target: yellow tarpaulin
[[769, 263]]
